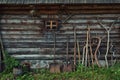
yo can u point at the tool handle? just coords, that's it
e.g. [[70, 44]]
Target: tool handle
[[67, 51], [74, 46], [78, 46], [54, 45]]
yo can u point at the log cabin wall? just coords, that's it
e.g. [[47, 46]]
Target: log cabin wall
[[25, 38]]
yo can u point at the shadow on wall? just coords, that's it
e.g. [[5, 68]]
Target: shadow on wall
[[119, 28], [1, 54], [119, 32]]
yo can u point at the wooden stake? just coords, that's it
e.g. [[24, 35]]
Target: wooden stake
[[54, 45], [83, 55], [74, 46], [86, 50], [67, 51], [90, 47], [78, 47]]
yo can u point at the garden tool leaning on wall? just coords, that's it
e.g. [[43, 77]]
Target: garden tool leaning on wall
[[78, 47], [55, 67], [85, 50], [108, 29], [88, 48], [75, 47], [68, 67]]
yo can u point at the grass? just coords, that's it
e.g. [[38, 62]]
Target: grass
[[82, 73]]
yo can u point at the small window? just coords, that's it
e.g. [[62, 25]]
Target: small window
[[51, 24]]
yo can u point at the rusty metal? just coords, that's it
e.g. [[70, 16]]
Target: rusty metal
[[68, 66], [55, 67]]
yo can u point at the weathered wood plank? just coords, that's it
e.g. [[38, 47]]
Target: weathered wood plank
[[23, 35]]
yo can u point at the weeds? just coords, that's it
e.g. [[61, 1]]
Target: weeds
[[112, 73], [82, 73], [10, 62]]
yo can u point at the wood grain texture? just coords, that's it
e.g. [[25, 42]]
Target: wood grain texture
[[23, 35]]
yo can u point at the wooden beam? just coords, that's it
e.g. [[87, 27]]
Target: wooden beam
[[57, 8]]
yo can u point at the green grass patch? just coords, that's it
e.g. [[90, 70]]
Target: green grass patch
[[82, 73]]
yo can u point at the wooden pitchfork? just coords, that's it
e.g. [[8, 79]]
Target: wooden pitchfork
[[108, 29]]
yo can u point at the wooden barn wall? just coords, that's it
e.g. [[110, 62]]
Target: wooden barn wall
[[24, 38]]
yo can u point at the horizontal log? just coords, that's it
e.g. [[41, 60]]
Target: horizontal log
[[56, 12], [60, 6], [42, 24], [68, 9], [59, 51], [45, 37], [51, 57], [59, 39], [62, 30], [58, 33], [63, 17], [48, 44], [62, 37], [45, 46], [41, 34]]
